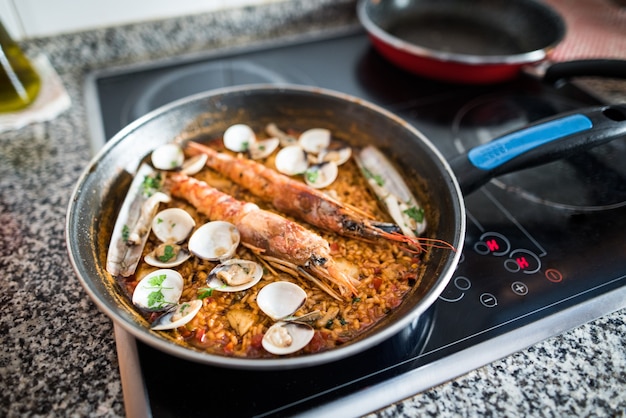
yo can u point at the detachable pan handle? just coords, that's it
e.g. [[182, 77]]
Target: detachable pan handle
[[540, 143]]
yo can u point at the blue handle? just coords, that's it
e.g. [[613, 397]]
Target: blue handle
[[542, 142]]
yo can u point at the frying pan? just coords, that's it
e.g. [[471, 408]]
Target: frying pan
[[474, 42], [101, 188]]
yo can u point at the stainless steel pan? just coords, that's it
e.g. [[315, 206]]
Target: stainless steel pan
[[102, 187]]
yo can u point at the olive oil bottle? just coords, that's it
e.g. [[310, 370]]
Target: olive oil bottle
[[19, 82]]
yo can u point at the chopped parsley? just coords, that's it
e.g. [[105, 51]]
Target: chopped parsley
[[205, 292], [168, 254], [312, 175], [150, 185], [376, 177], [125, 233], [415, 213]]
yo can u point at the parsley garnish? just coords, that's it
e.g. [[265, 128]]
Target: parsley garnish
[[415, 213], [125, 233], [157, 299], [376, 177], [151, 184], [168, 253], [205, 292], [312, 175]]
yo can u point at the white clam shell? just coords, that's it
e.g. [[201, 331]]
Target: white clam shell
[[278, 300], [152, 260], [314, 140], [321, 175], [168, 157], [158, 290], [291, 160], [243, 273], [263, 149], [287, 337], [239, 137], [338, 156], [213, 241], [172, 224], [194, 164], [183, 313]]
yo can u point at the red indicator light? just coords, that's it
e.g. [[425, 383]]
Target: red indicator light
[[522, 262], [492, 244]]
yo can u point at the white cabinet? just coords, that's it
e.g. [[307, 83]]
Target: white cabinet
[[36, 18]]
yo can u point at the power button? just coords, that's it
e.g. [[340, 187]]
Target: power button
[[554, 275]]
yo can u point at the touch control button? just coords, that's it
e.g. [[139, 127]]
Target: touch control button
[[519, 288], [554, 275], [488, 300]]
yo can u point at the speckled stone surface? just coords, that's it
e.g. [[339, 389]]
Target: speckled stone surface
[[58, 355]]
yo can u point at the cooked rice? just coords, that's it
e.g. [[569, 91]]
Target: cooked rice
[[386, 273]]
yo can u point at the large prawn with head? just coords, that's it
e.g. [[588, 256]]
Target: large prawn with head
[[284, 244], [301, 201]]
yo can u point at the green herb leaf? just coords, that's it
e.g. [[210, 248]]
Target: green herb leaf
[[205, 292], [168, 254], [415, 213]]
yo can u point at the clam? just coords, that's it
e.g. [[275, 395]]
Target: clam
[[214, 241], [314, 140], [279, 300], [338, 155], [167, 255], [171, 226], [263, 149], [321, 175], [291, 160], [158, 290], [194, 164], [168, 157], [391, 189], [235, 275], [284, 138], [287, 337], [239, 137], [177, 317]]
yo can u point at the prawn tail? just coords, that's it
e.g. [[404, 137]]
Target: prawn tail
[[347, 285]]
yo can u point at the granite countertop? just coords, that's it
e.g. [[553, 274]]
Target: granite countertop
[[58, 354]]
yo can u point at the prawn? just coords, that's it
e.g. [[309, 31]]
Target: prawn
[[297, 199], [286, 245]]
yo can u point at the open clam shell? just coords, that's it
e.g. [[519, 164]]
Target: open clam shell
[[291, 160], [278, 300], [287, 337], [173, 225], [235, 275], [177, 259], [168, 157], [215, 241], [159, 290], [314, 140], [321, 175], [239, 137], [177, 317]]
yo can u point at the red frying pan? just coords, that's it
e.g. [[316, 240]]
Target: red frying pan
[[473, 42]]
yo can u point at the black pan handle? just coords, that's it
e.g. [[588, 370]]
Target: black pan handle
[[540, 143], [612, 68]]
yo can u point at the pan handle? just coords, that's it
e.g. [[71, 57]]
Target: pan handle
[[540, 143], [589, 67]]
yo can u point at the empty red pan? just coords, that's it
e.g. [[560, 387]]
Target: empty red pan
[[473, 42]]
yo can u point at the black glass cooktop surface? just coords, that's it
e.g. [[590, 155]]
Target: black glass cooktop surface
[[544, 249]]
